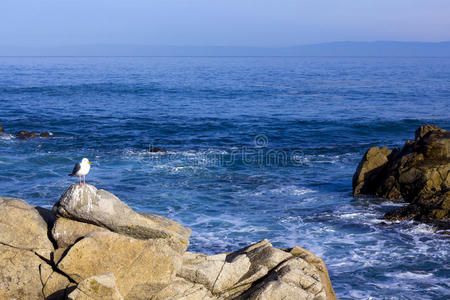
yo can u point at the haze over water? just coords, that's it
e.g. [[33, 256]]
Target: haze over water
[[219, 118]]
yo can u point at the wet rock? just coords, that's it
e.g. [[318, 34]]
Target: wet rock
[[45, 134], [99, 207], [157, 149], [419, 174], [136, 264], [97, 287], [25, 135]]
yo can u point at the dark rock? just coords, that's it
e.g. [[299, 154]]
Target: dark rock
[[1, 129], [45, 134], [419, 174], [157, 149], [24, 135]]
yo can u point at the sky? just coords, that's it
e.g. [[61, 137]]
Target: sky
[[269, 23]]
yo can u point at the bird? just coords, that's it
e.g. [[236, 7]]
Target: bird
[[81, 169]]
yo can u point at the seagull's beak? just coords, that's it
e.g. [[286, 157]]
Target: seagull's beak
[[89, 162]]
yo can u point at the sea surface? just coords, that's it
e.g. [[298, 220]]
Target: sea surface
[[258, 147]]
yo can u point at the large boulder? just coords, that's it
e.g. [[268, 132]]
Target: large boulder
[[136, 264], [26, 268], [419, 174], [86, 204]]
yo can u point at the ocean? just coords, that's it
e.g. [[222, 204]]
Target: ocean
[[257, 147]]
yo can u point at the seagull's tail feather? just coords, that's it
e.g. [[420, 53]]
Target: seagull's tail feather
[[71, 175]]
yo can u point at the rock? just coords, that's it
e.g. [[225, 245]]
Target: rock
[[181, 289], [369, 168], [233, 275], [137, 265], [99, 207], [293, 279], [97, 287], [25, 253], [93, 262], [419, 174], [1, 129], [66, 232], [55, 285], [23, 227], [24, 135], [45, 134], [19, 274], [157, 149]]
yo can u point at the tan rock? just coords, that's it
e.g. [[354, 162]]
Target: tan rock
[[55, 285], [26, 252], [87, 204], [23, 227], [135, 263], [369, 168], [297, 274], [320, 266], [19, 274], [181, 289], [293, 279], [98, 287], [66, 232]]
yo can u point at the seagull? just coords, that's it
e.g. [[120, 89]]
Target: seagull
[[81, 169]]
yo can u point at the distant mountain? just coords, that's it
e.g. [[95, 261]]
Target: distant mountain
[[381, 48]]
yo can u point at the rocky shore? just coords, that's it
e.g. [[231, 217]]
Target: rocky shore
[[418, 174], [94, 246]]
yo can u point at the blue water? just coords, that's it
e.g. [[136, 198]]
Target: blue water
[[257, 148]]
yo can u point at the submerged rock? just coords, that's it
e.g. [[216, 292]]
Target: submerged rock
[[86, 204], [419, 174], [157, 149], [25, 135]]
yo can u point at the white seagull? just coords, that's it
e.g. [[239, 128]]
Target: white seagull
[[81, 169]]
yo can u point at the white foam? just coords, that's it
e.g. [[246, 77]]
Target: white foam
[[410, 275], [6, 136]]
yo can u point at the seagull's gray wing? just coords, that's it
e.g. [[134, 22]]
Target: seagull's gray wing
[[76, 168]]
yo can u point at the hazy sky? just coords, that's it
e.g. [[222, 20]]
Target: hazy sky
[[220, 22]]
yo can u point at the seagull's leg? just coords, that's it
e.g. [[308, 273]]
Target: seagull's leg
[[84, 179], [80, 179]]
